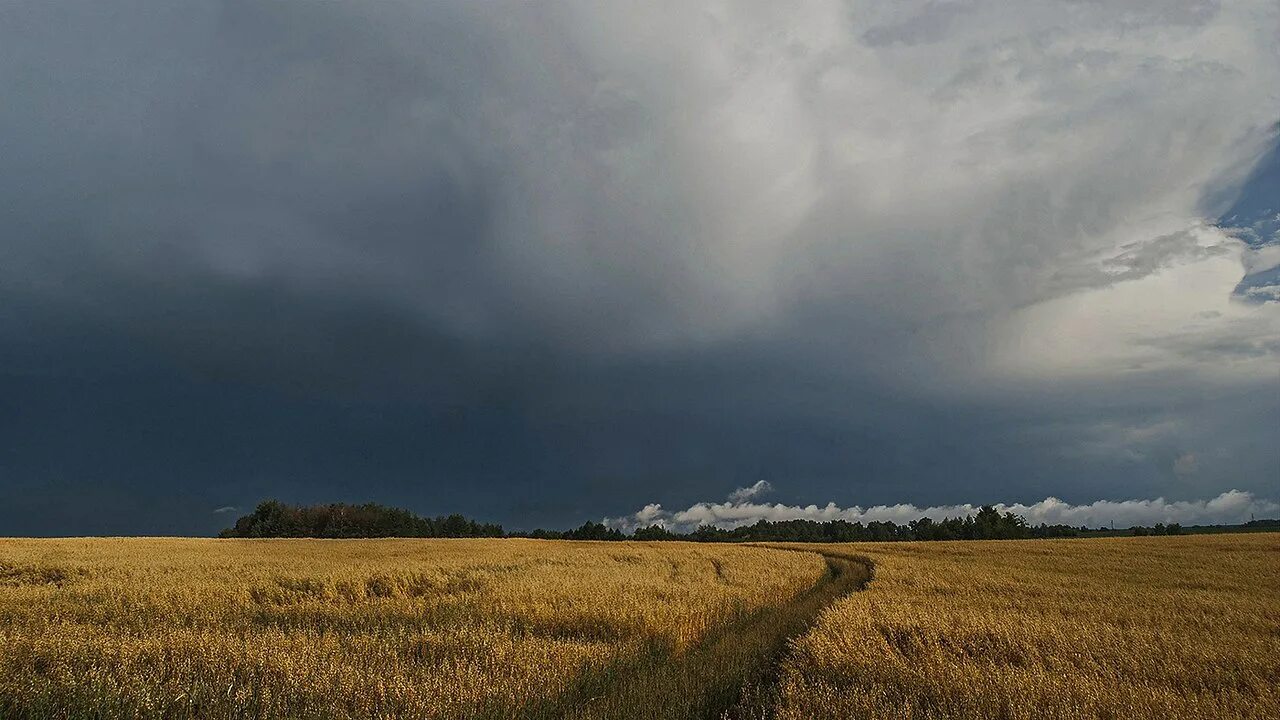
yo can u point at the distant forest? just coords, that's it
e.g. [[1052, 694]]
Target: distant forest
[[988, 524], [370, 520], [339, 520]]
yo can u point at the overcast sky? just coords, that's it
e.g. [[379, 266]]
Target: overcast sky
[[541, 262]]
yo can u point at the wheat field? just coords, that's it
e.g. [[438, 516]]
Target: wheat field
[[178, 628], [1164, 627]]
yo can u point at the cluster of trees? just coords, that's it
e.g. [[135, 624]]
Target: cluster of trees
[[989, 524], [1158, 529], [339, 520], [588, 531]]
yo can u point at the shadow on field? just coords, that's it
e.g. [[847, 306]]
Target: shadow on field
[[728, 675]]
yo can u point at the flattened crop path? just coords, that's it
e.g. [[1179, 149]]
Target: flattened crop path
[[728, 675]]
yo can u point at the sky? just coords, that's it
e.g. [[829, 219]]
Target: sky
[[546, 262]]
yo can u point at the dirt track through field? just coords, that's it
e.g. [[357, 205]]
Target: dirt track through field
[[729, 675]]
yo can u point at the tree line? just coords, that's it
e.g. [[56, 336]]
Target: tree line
[[340, 520], [988, 524], [1157, 529], [371, 520]]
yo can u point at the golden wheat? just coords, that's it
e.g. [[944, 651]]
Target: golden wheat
[[1110, 628], [174, 628], [1168, 627]]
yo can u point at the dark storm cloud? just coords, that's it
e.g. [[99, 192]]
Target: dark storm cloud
[[546, 261]]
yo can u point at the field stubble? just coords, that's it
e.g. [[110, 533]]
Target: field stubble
[[175, 628], [1164, 627]]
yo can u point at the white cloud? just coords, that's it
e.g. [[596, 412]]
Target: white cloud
[[1265, 293], [1262, 258], [225, 509], [1175, 314], [1233, 506], [744, 494]]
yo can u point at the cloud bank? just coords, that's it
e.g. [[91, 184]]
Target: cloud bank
[[1233, 506], [598, 180], [580, 252]]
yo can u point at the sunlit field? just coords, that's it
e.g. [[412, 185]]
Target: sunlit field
[[1161, 627], [1172, 627], [363, 629]]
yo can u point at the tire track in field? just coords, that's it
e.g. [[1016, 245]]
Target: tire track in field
[[760, 697], [730, 674]]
